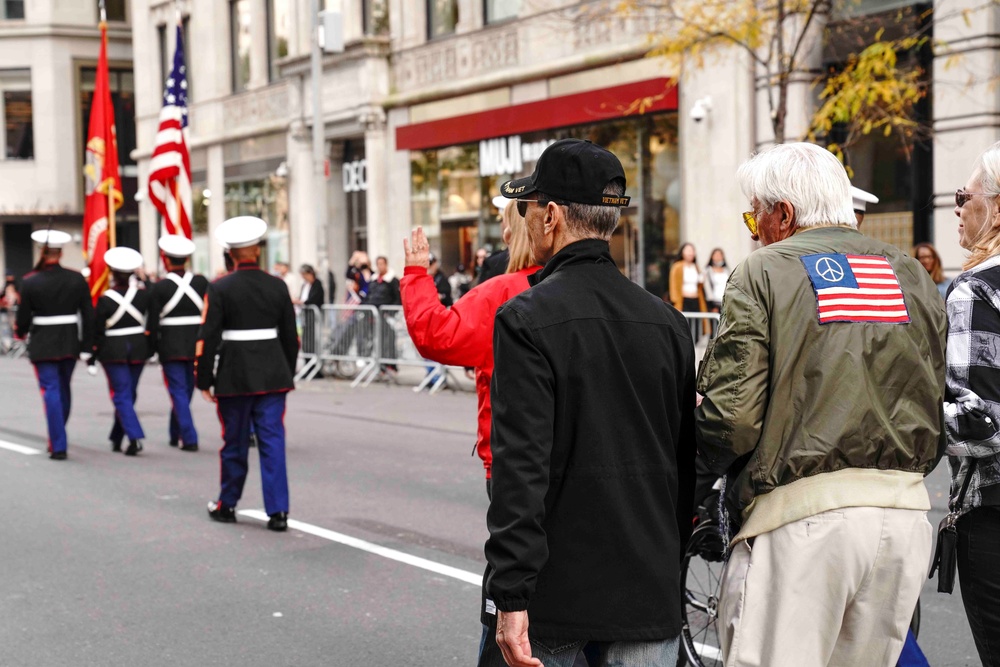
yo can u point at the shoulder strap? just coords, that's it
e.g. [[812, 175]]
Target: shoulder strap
[[965, 485], [183, 289], [124, 306]]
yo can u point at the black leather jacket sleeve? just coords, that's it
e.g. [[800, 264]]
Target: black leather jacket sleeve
[[523, 400]]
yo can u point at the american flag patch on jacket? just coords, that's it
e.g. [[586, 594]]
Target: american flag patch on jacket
[[856, 288]]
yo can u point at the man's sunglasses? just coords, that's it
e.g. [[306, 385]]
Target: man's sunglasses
[[522, 204], [750, 222], [962, 196]]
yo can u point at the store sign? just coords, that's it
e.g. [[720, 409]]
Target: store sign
[[507, 155], [356, 176]]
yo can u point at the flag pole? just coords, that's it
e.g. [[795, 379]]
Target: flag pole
[[111, 186]]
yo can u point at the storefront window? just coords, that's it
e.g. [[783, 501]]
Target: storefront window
[[453, 187], [266, 198], [355, 181], [442, 17]]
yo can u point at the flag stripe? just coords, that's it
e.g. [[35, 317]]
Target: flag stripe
[[877, 297]]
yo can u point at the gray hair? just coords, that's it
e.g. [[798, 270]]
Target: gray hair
[[805, 175], [590, 221]]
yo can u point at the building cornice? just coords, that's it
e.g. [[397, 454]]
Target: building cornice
[[116, 32]]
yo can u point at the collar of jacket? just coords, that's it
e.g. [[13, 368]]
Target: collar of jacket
[[247, 266], [587, 251], [813, 228]]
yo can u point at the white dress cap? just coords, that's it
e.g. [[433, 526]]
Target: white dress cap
[[175, 245], [54, 238], [123, 259], [501, 202], [860, 198], [241, 232]]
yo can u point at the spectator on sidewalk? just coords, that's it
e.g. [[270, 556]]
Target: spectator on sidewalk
[[593, 439], [972, 408], [822, 405], [383, 290]]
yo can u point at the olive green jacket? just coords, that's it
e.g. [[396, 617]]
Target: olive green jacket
[[788, 400]]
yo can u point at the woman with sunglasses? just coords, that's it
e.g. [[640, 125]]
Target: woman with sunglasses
[[972, 402]]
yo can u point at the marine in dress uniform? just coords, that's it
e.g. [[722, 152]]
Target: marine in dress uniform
[[175, 305], [250, 324], [56, 309], [120, 344]]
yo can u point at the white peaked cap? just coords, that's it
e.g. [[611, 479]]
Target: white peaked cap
[[123, 259], [241, 232], [53, 238], [501, 202], [860, 199], [175, 245]]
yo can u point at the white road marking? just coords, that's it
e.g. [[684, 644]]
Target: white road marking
[[20, 449], [710, 652], [385, 552]]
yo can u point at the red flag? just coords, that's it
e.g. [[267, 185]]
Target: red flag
[[170, 166], [101, 171]]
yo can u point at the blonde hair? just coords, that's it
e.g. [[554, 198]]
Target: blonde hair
[[520, 253], [987, 170]]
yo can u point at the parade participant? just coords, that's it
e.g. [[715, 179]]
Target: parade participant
[[859, 201], [822, 404], [175, 305], [250, 312], [56, 309], [593, 437], [121, 346]]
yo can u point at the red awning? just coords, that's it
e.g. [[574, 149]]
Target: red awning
[[631, 99]]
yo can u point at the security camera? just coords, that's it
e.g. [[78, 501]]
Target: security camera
[[700, 109]]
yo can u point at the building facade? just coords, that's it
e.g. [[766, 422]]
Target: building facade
[[433, 103], [48, 60]]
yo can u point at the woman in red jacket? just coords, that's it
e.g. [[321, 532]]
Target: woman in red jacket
[[463, 334]]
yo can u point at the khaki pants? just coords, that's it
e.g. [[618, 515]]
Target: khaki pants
[[836, 589]]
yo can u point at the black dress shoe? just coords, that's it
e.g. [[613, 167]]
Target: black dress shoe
[[219, 512], [174, 442], [61, 456], [134, 447], [189, 448], [278, 521], [116, 446]]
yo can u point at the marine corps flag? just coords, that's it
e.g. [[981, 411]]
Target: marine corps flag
[[104, 185]]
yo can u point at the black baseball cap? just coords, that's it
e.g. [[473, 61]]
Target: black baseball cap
[[572, 170]]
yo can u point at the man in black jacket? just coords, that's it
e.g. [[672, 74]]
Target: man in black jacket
[[593, 437], [55, 308], [250, 323]]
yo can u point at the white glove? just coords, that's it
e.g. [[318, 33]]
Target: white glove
[[92, 371]]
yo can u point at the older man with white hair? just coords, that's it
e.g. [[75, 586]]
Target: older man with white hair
[[822, 405]]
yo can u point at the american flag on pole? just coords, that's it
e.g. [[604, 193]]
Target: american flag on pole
[[170, 168], [856, 288]]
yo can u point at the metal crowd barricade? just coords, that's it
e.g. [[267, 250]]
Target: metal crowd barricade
[[349, 341], [697, 322], [9, 345], [397, 349], [311, 327]]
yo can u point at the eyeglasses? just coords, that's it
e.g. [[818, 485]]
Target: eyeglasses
[[962, 196], [522, 204], [750, 221]]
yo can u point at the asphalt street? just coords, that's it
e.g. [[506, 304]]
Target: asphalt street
[[111, 560]]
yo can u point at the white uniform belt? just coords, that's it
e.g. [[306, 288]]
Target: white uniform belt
[[249, 334], [47, 320], [125, 331], [180, 320]]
